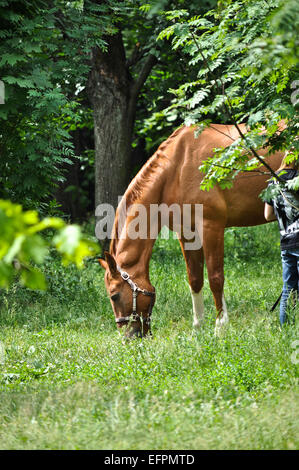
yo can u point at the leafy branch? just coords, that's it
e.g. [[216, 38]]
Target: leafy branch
[[229, 109], [243, 73], [23, 248]]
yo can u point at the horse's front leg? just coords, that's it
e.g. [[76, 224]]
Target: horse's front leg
[[195, 264], [213, 245]]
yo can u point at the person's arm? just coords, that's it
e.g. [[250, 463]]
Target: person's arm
[[269, 212]]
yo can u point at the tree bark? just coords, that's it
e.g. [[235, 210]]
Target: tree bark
[[113, 94]]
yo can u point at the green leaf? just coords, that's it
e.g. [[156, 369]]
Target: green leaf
[[14, 249], [33, 279], [67, 239]]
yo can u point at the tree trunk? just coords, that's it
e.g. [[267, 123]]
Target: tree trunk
[[113, 94]]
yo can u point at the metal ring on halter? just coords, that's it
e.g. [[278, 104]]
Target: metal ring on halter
[[124, 275], [135, 290]]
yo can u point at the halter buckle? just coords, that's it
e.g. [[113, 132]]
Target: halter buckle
[[125, 275]]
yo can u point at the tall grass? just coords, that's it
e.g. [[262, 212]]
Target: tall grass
[[68, 381]]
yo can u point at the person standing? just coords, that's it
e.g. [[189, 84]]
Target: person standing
[[285, 208]]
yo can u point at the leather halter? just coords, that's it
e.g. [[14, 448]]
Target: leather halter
[[134, 316]]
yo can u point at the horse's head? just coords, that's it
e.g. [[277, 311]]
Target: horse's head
[[132, 305]]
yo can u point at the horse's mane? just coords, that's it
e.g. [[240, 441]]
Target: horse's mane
[[142, 181]]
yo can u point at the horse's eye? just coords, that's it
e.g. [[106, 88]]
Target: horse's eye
[[114, 297]]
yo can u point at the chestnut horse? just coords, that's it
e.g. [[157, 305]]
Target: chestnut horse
[[171, 176]]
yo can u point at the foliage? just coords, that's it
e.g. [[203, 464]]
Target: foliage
[[240, 59], [152, 123], [23, 247], [45, 64], [245, 55], [44, 50]]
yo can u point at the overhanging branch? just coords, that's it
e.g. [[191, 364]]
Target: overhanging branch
[[228, 109], [138, 83]]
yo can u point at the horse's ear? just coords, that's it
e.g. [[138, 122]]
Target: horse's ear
[[111, 264], [103, 263]]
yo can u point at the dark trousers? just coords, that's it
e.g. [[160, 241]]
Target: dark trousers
[[290, 276]]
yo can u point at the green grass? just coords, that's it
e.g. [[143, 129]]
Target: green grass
[[69, 381]]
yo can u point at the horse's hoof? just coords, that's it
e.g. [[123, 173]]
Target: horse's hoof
[[220, 328]]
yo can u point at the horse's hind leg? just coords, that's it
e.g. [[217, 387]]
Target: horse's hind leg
[[213, 245], [195, 264]]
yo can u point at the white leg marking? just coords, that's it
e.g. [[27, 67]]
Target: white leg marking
[[223, 320], [198, 307]]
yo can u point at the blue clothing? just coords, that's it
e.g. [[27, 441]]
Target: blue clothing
[[290, 276]]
